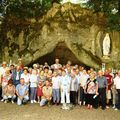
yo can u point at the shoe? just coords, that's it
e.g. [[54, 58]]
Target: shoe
[[35, 101], [12, 102], [2, 100], [80, 103], [5, 101], [107, 107], [84, 103], [31, 101], [115, 109]]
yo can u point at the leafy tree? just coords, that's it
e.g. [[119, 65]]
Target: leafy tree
[[111, 9], [25, 8]]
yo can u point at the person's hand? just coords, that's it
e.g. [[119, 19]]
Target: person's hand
[[97, 93], [20, 97]]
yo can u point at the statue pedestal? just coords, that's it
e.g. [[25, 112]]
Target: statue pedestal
[[106, 57]]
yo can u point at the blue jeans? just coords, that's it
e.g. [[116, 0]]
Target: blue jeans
[[6, 97], [33, 91], [43, 102], [56, 95]]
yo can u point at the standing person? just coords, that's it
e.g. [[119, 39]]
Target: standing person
[[47, 94], [65, 90], [33, 86], [22, 92], [57, 65], [39, 91], [3, 68], [78, 78], [73, 89], [5, 78], [102, 88], [117, 86], [26, 76], [9, 92], [16, 76], [83, 80], [91, 90], [110, 82], [56, 88]]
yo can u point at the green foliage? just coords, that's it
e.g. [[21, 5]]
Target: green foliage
[[26, 8], [106, 6]]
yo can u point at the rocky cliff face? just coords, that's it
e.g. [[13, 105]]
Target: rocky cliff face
[[65, 31]]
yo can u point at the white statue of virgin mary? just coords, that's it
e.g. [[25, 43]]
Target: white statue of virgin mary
[[106, 45]]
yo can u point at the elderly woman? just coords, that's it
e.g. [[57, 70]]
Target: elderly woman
[[91, 90], [9, 92], [5, 78]]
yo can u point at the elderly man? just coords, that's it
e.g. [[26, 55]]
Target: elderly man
[[22, 92], [117, 86], [102, 88]]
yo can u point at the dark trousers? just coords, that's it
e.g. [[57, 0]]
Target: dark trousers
[[102, 97], [82, 94], [90, 99], [73, 97], [118, 101]]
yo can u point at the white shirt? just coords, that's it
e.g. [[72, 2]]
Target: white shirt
[[26, 77], [83, 79], [56, 82], [33, 80], [2, 70], [117, 82]]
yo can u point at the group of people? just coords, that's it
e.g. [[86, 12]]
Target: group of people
[[59, 84]]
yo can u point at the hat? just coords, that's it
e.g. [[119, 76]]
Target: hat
[[4, 63], [19, 59], [34, 65]]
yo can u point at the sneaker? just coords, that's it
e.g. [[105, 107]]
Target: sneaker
[[31, 101], [80, 103], [84, 103], [5, 101], [2, 100], [115, 109], [107, 107], [35, 101], [12, 102]]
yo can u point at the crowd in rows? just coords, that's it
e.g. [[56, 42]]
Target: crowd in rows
[[59, 84]]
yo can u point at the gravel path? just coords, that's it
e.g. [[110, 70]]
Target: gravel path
[[34, 112]]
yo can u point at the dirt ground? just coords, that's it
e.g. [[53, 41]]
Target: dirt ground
[[35, 112]]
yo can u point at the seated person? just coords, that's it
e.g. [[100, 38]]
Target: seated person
[[47, 94], [22, 92], [9, 92]]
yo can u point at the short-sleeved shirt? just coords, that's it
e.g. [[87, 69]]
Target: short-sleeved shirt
[[109, 80], [21, 89], [102, 82]]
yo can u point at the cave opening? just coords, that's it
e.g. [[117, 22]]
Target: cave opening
[[61, 52]]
